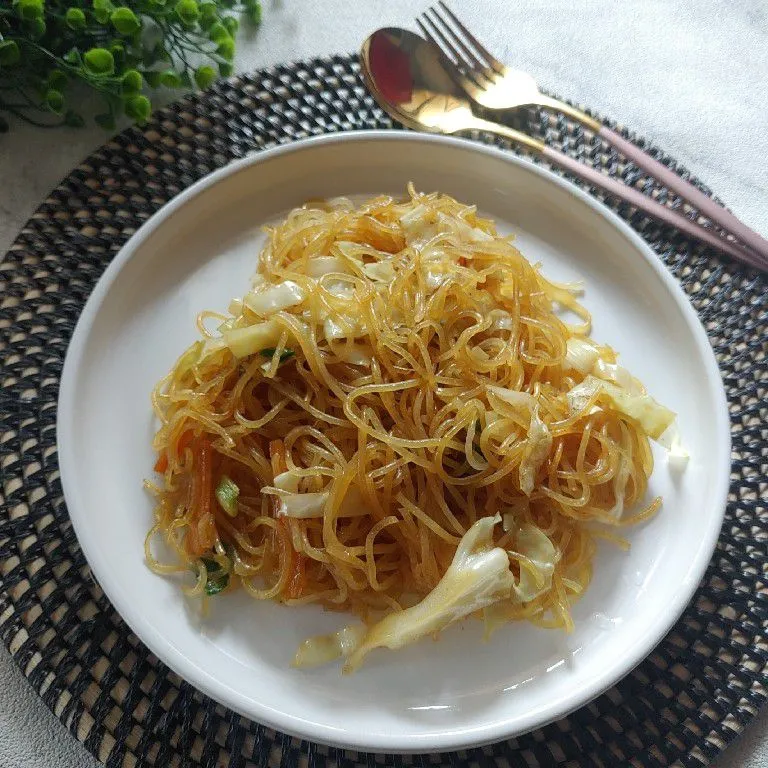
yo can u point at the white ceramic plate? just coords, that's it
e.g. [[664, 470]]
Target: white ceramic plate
[[198, 252]]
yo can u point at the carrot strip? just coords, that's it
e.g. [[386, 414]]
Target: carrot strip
[[202, 528], [162, 463], [277, 456], [185, 440], [295, 561], [205, 474]]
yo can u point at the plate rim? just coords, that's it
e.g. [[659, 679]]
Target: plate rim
[[446, 740]]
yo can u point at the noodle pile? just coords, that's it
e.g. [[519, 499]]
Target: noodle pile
[[395, 394]]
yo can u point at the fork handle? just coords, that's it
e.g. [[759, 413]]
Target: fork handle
[[652, 208], [705, 205]]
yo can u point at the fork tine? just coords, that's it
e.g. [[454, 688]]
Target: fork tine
[[469, 60], [431, 33], [436, 37], [481, 49]]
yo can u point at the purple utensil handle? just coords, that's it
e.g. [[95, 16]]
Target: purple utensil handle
[[651, 207], [705, 205]]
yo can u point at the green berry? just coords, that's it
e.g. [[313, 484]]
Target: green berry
[[99, 61], [115, 47], [57, 79], [218, 32], [9, 53], [170, 78], [187, 11], [35, 28], [204, 76], [132, 81], [253, 9], [124, 21], [209, 13], [226, 48], [54, 100], [102, 10], [29, 9], [75, 18], [138, 108], [117, 50]]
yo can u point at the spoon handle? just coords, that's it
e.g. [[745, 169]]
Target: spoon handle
[[629, 194], [705, 205], [648, 205]]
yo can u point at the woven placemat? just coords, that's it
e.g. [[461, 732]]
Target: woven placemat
[[681, 706]]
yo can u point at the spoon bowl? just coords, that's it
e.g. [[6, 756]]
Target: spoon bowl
[[411, 80]]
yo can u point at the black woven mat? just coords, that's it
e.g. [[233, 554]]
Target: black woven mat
[[681, 706]]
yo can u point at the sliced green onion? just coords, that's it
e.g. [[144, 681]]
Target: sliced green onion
[[218, 580], [286, 354], [226, 494], [215, 585]]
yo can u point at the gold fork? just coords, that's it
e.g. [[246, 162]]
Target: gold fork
[[491, 84]]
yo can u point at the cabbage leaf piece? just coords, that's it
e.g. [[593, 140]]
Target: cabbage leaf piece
[[322, 649], [539, 566], [478, 576], [653, 417]]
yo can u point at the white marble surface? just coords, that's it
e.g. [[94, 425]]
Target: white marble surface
[[688, 74]]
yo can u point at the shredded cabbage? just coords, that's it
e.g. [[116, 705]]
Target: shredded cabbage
[[581, 354], [325, 265], [322, 649], [380, 271], [618, 375], [539, 439], [303, 505], [653, 417], [270, 300], [252, 338], [512, 397], [287, 481], [336, 328], [478, 576], [536, 450], [355, 354], [537, 569], [677, 455]]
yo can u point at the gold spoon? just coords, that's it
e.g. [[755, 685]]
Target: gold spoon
[[411, 80]]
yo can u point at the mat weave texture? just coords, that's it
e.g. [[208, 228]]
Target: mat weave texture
[[681, 706]]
